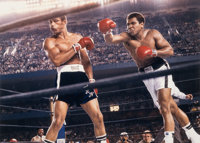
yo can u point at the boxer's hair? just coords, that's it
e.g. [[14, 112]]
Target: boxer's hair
[[63, 17], [137, 15]]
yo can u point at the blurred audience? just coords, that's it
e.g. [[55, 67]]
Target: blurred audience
[[22, 51]]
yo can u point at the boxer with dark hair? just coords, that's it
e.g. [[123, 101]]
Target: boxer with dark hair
[[148, 49], [68, 53]]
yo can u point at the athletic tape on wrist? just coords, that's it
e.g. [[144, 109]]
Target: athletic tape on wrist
[[108, 33], [92, 80], [76, 47], [154, 53]]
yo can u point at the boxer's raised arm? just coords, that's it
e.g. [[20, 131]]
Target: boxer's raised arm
[[115, 39], [105, 27]]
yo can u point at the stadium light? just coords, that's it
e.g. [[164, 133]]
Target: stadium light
[[114, 108]]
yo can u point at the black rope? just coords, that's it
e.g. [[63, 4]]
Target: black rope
[[23, 126], [101, 83], [88, 124], [141, 87], [10, 91], [21, 108], [106, 92]]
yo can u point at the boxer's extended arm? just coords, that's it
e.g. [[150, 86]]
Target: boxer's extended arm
[[177, 93], [115, 39], [56, 56], [163, 47], [105, 27], [86, 63]]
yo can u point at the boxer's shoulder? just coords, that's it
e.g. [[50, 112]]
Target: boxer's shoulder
[[48, 42]]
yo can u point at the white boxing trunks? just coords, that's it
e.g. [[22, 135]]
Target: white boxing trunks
[[154, 84]]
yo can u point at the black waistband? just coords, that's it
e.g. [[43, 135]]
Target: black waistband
[[158, 62]]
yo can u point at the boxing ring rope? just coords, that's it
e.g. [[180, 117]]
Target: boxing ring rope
[[100, 93], [101, 83], [141, 87], [90, 124], [72, 114], [135, 103], [21, 108], [23, 126], [10, 91], [107, 92]]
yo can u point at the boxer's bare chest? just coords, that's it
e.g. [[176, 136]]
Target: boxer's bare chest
[[65, 44], [133, 44]]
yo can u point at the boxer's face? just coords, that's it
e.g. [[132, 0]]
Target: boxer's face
[[57, 25], [133, 26]]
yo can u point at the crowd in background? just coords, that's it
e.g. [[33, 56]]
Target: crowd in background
[[134, 117], [85, 133], [23, 52]]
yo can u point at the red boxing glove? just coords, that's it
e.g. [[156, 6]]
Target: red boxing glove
[[85, 42], [106, 25], [144, 52]]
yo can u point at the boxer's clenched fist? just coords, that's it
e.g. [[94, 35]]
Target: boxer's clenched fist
[[106, 25], [85, 42], [144, 52]]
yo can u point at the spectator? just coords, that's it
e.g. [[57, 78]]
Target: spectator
[[147, 137], [39, 137], [124, 138]]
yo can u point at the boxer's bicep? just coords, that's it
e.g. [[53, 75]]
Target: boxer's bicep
[[51, 50], [160, 41]]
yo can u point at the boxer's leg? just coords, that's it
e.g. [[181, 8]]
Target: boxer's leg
[[164, 98], [184, 122], [60, 111], [92, 109]]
